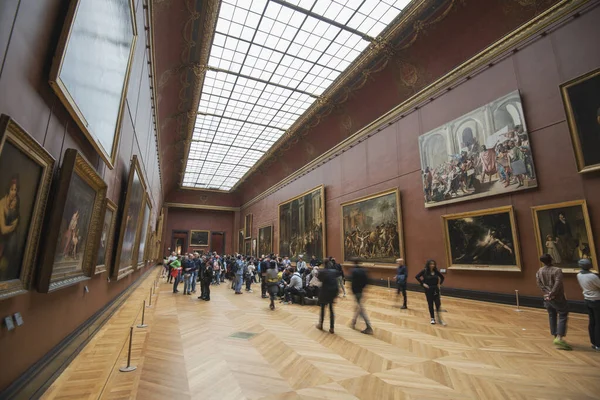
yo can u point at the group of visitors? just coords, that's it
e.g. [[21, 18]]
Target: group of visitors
[[193, 268]]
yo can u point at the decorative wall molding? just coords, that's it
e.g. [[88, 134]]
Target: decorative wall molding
[[201, 207]]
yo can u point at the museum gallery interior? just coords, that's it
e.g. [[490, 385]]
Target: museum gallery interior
[[156, 154]]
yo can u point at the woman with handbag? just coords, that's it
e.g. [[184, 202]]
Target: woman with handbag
[[401, 278]]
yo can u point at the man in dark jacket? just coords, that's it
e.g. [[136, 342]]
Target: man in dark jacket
[[208, 277], [401, 278], [264, 266], [327, 295], [359, 281]]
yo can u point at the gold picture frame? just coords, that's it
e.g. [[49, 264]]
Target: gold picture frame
[[130, 222], [576, 212], [141, 252], [200, 242], [15, 141], [78, 182], [487, 226], [68, 66], [262, 233], [574, 91], [108, 236], [321, 193], [375, 261], [248, 226]]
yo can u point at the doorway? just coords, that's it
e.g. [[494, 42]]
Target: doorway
[[217, 242], [179, 242]]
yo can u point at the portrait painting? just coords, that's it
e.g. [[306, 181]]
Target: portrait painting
[[25, 177], [240, 240], [564, 231], [485, 152], [254, 247], [582, 106], [91, 68], [302, 225], [199, 238], [482, 240], [372, 228], [265, 240], [75, 225], [104, 256], [143, 241], [248, 226], [247, 248], [130, 221]]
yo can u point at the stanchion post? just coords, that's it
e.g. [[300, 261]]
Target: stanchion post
[[129, 367], [150, 301], [517, 295], [143, 325], [389, 287]]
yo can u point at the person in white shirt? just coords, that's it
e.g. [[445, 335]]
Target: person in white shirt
[[590, 283], [249, 276]]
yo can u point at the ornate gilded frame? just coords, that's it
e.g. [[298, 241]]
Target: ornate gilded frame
[[247, 248], [240, 240], [573, 129], [142, 263], [400, 227], [118, 273], [248, 226], [489, 211], [199, 245], [11, 132], [260, 228], [73, 163], [321, 188], [62, 91], [110, 237], [588, 229]]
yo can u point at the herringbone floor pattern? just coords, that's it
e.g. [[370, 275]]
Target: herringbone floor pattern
[[486, 351]]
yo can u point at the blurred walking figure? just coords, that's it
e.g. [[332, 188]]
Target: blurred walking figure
[[327, 295], [271, 279], [401, 278], [431, 279], [359, 281]]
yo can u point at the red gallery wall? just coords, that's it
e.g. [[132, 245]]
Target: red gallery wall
[[29, 32]]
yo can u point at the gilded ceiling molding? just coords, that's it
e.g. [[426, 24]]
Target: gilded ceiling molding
[[559, 12], [201, 207]]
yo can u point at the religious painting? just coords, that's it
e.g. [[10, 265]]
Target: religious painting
[[199, 238], [130, 222], [483, 153], [372, 229], [90, 71], [25, 177], [240, 240], [143, 241], [74, 226], [482, 240], [248, 226], [564, 231], [104, 256], [582, 106], [247, 248], [265, 240], [302, 225]]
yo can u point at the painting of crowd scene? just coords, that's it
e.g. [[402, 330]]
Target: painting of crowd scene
[[371, 228], [483, 153], [302, 225]]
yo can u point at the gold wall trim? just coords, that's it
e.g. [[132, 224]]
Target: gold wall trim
[[453, 78], [201, 207]]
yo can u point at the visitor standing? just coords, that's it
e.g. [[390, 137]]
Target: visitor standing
[[401, 278], [175, 273], [431, 279], [359, 281], [327, 295], [272, 279], [239, 274], [208, 277], [590, 283]]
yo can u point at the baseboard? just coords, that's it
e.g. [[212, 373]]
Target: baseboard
[[37, 379], [502, 298]]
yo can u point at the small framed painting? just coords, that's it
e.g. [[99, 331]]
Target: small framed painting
[[240, 241], [199, 238], [104, 256], [248, 226], [247, 248], [265, 240]]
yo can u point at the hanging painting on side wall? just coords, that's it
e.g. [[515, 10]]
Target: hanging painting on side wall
[[90, 72], [74, 226], [145, 227], [247, 248], [564, 231], [104, 256], [372, 229], [25, 177], [248, 226], [302, 225], [265, 240], [483, 153], [582, 106], [240, 240], [199, 238]]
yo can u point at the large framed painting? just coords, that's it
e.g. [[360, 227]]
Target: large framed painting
[[74, 226], [130, 222], [199, 238], [248, 226], [240, 240], [483, 153], [582, 106], [302, 225], [265, 240], [90, 70], [104, 256], [247, 248], [563, 230], [372, 229], [140, 256], [25, 177], [482, 240]]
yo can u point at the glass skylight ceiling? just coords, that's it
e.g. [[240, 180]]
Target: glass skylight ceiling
[[269, 61]]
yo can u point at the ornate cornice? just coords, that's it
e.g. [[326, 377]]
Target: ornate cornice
[[201, 207]]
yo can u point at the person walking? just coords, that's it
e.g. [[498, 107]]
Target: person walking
[[327, 295], [271, 279], [590, 284], [341, 279], [208, 277], [401, 278], [175, 273], [431, 279], [265, 265], [249, 276], [239, 275], [359, 281], [550, 281]]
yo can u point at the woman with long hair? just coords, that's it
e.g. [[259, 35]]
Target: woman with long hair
[[431, 279], [9, 222]]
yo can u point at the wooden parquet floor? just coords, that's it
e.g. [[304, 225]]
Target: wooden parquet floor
[[189, 351]]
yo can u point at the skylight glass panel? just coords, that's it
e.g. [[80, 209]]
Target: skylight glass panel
[[269, 62]]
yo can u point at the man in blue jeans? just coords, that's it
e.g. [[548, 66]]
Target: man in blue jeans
[[239, 275]]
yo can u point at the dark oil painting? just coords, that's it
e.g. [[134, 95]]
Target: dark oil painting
[[104, 238], [199, 238], [265, 240], [141, 257], [132, 214]]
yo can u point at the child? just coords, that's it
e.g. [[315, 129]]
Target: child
[[552, 250]]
